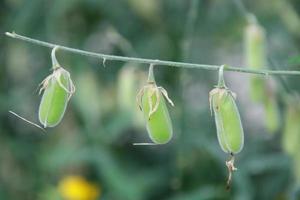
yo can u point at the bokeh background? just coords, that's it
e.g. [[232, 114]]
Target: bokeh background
[[90, 155]]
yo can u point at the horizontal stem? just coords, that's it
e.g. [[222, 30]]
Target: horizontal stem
[[151, 61]]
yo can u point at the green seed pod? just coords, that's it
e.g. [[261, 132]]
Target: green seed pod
[[130, 79], [58, 89], [255, 54], [271, 114], [228, 122], [153, 105], [89, 108], [127, 87], [255, 46], [256, 58], [291, 131], [159, 125]]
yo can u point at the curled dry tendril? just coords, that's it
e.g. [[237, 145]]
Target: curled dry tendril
[[153, 90], [56, 75]]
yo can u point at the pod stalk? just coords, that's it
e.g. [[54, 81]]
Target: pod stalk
[[151, 78], [221, 81], [55, 64]]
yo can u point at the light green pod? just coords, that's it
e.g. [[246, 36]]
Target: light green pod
[[127, 87], [255, 45], [228, 122], [130, 79], [159, 125], [291, 131], [271, 114], [256, 57], [291, 134], [58, 88]]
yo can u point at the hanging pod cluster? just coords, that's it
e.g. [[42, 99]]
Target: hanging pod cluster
[[228, 121], [57, 90], [151, 102]]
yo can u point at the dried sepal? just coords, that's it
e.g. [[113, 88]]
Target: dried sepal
[[154, 109], [165, 93], [233, 95], [138, 98], [56, 76], [153, 90], [150, 94], [211, 93]]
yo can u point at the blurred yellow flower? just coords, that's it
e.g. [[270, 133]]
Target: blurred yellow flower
[[78, 188]]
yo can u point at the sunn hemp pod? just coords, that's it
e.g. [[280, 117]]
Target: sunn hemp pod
[[152, 103], [58, 89], [228, 122]]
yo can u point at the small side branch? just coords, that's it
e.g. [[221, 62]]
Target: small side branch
[[26, 120], [151, 61]]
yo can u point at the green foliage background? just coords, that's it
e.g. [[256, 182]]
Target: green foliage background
[[95, 137]]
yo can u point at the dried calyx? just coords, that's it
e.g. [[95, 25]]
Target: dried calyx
[[58, 73], [153, 90], [221, 89]]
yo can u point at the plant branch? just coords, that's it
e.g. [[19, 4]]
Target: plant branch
[[151, 61]]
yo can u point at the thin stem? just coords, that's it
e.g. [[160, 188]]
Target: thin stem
[[151, 78], [26, 120], [190, 29], [145, 144], [151, 61], [221, 82], [55, 63]]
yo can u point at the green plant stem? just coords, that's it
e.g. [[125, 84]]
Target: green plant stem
[[55, 64], [221, 81], [151, 78], [106, 57]]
